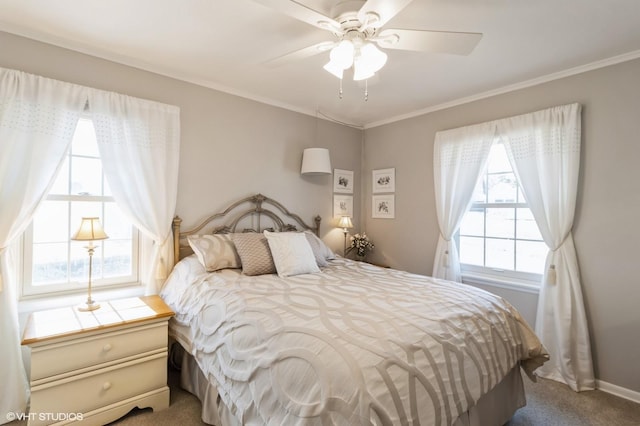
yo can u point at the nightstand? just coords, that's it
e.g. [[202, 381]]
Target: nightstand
[[96, 366]]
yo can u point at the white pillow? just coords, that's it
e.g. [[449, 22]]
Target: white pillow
[[291, 253], [215, 251], [320, 249]]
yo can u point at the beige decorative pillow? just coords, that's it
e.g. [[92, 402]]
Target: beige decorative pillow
[[215, 252], [291, 253], [254, 253]]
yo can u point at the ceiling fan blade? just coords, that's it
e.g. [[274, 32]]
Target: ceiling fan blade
[[456, 43], [300, 54], [384, 9], [302, 13]]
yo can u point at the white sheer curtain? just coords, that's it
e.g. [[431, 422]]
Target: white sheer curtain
[[544, 149], [139, 143], [38, 117], [460, 155]]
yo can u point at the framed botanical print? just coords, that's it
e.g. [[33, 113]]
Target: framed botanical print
[[383, 206], [342, 205], [384, 180], [343, 181]]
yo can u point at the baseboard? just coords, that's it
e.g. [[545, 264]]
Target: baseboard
[[618, 391]]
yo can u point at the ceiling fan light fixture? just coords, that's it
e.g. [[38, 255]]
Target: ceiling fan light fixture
[[368, 61], [373, 58], [334, 69], [342, 54], [361, 72]]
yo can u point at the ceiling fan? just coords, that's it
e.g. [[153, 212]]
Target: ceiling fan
[[357, 27]]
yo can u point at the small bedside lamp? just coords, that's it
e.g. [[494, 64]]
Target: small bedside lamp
[[90, 230], [345, 224]]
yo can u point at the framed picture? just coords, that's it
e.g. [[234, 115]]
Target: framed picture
[[342, 205], [383, 206], [384, 180], [343, 181]]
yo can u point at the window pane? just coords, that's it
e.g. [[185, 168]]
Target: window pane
[[472, 251], [521, 197], [473, 222], [86, 176], [49, 263], [84, 140], [107, 188], [117, 258], [56, 259], [79, 262], [98, 260], [527, 227], [500, 222], [50, 222], [115, 224], [61, 184], [480, 191], [498, 159], [80, 209], [503, 188], [531, 256], [500, 254]]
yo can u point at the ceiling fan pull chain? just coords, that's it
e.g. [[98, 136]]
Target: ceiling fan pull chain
[[366, 90], [340, 91]]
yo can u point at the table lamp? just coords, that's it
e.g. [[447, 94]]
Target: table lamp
[[90, 230]]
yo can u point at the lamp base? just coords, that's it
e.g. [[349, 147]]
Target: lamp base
[[88, 306]]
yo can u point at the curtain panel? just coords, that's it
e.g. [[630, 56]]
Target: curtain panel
[[38, 117], [544, 150], [139, 143], [460, 155]]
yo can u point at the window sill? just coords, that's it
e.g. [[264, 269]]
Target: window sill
[[53, 301], [514, 284]]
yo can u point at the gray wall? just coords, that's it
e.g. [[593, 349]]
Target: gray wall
[[231, 147], [606, 228]]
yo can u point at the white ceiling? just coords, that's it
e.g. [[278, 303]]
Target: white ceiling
[[223, 44]]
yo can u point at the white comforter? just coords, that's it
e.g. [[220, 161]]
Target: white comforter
[[354, 344]]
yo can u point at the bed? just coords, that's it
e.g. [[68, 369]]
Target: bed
[[339, 342]]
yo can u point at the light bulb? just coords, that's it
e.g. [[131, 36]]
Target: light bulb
[[334, 69], [373, 57], [342, 54], [361, 71]]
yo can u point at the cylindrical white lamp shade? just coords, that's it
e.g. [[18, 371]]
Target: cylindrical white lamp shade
[[316, 161]]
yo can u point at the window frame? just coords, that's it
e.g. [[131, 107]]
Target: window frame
[[25, 264], [492, 275]]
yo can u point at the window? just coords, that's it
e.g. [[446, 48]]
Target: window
[[52, 262], [498, 235]]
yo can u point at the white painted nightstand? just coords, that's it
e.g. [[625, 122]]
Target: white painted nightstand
[[98, 365]]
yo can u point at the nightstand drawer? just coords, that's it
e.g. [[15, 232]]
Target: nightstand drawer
[[100, 388], [74, 355]]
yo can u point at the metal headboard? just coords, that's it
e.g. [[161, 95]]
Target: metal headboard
[[257, 206]]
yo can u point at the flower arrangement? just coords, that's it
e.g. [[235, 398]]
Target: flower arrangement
[[361, 244]]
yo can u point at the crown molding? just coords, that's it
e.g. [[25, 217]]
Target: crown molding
[[513, 87]]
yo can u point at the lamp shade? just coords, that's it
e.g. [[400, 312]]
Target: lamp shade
[[90, 229], [316, 161], [345, 222]]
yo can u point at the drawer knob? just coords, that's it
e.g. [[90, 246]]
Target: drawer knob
[[106, 386], [107, 347]]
